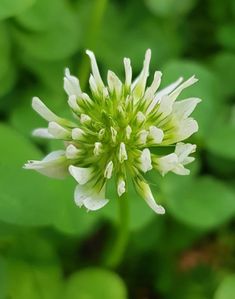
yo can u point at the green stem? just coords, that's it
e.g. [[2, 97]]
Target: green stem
[[92, 33], [118, 249]]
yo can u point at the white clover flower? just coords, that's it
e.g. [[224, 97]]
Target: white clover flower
[[115, 130]]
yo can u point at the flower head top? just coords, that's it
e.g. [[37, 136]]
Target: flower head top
[[115, 129]]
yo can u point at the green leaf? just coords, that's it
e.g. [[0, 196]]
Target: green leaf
[[9, 8], [221, 141], [224, 36], [226, 289], [42, 15], [33, 280], [57, 42], [33, 274], [7, 75], [166, 8], [95, 283], [204, 203], [224, 66], [206, 89], [164, 41]]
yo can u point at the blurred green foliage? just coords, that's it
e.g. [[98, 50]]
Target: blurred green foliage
[[49, 248]]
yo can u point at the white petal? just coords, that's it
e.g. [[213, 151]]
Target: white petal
[[53, 165], [167, 90], [91, 198], [185, 107], [95, 69], [165, 105], [121, 187], [114, 83], [183, 150], [101, 133], [186, 128], [166, 163], [145, 160], [113, 134], [128, 71], [140, 117], [139, 87], [181, 170], [142, 137], [72, 101], [162, 96], [97, 148], [184, 85], [150, 91], [72, 152], [77, 134], [155, 134], [81, 175], [58, 131], [96, 200], [85, 119], [122, 156], [42, 133], [93, 84], [108, 170], [80, 194], [128, 132], [71, 84], [144, 190], [43, 111]]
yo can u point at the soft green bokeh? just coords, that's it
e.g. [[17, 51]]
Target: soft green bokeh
[[49, 248]]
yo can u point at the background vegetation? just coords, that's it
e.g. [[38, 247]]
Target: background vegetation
[[49, 248]]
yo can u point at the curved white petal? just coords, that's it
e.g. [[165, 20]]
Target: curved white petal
[[92, 199], [72, 152], [42, 133], [58, 131], [145, 160], [108, 170], [71, 84], [182, 109], [183, 150], [97, 148], [151, 90], [139, 87], [81, 175], [77, 134], [155, 134], [54, 165], [128, 71], [114, 83], [128, 132], [144, 190], [167, 90], [95, 69], [186, 128], [121, 186], [184, 85], [43, 110], [181, 170], [142, 137], [80, 194], [166, 163], [122, 156]]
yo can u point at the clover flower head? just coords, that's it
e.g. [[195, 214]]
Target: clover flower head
[[117, 129]]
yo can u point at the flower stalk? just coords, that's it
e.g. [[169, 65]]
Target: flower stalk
[[117, 251]]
